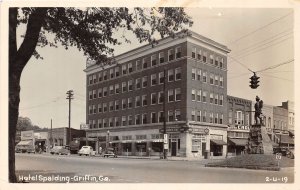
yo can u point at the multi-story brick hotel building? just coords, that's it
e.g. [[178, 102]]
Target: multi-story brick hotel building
[[125, 100]]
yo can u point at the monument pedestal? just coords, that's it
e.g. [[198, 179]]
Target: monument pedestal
[[259, 141]]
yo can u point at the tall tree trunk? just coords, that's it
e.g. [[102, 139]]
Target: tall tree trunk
[[17, 61]]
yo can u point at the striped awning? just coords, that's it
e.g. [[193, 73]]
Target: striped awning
[[29, 142]]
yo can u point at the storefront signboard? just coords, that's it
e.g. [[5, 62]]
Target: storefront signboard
[[169, 130], [239, 127], [27, 135], [165, 138]]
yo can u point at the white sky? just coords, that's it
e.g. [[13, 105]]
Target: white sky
[[258, 38]]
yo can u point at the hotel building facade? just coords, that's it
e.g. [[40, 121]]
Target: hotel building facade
[[125, 100]]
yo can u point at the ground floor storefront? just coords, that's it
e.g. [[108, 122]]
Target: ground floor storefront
[[183, 140]]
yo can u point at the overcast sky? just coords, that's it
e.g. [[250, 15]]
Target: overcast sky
[[258, 39]]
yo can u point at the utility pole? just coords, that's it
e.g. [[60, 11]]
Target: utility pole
[[165, 144], [69, 97], [51, 139]]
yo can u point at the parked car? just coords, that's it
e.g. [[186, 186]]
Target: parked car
[[60, 150], [109, 152], [290, 153], [86, 150]]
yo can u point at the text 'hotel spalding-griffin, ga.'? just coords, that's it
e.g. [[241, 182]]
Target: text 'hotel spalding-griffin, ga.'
[[125, 108]]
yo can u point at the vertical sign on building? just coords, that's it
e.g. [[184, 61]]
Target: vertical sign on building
[[166, 141]]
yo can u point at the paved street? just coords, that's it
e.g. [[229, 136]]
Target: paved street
[[124, 170]]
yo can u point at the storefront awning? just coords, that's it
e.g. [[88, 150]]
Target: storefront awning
[[25, 142], [239, 142], [218, 142], [285, 139]]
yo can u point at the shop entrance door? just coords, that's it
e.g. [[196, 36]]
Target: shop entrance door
[[174, 149], [203, 148]]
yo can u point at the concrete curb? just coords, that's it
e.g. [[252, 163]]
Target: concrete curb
[[246, 167]]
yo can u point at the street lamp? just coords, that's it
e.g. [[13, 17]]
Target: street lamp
[[107, 144], [165, 144]]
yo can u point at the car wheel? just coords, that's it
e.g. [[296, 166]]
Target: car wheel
[[79, 154]]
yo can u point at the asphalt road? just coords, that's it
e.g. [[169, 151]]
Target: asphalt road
[[54, 168]]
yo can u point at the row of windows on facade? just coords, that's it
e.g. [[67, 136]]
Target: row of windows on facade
[[196, 115], [129, 68], [156, 98], [240, 118], [202, 56], [233, 134], [198, 95], [173, 115], [280, 124], [214, 79], [139, 83], [155, 118], [143, 137]]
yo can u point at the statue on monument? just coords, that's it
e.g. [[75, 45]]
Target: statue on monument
[[258, 111]]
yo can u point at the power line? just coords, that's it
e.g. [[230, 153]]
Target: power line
[[275, 66], [260, 28], [277, 77], [237, 61]]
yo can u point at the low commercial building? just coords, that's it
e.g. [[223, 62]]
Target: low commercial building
[[60, 136]]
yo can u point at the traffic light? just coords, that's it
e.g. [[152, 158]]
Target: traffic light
[[254, 81]]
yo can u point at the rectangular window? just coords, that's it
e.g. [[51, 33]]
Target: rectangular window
[[171, 115], [211, 57], [137, 101], [178, 52], [216, 80], [199, 54], [205, 76], [104, 91], [94, 109], [217, 62], [161, 57], [199, 95], [211, 117], [160, 97], [94, 79], [194, 52], [94, 94], [111, 106], [104, 75], [204, 57], [112, 74], [144, 118], [130, 85], [160, 116], [111, 122], [137, 83], [145, 64], [111, 90], [177, 115], [99, 123], [170, 95], [153, 60], [216, 118], [137, 119], [130, 121], [123, 120], [193, 74], [117, 71], [153, 117], [144, 82], [178, 73], [100, 77], [138, 65], [104, 107], [117, 88], [153, 80], [211, 98], [211, 78], [124, 105], [199, 74], [177, 94], [90, 95], [129, 103], [117, 107], [124, 87], [105, 122], [193, 95], [221, 119], [171, 54], [221, 81], [230, 116], [204, 116], [99, 108], [144, 100], [90, 110], [117, 122], [153, 98], [130, 69], [124, 69], [221, 62], [100, 93], [161, 77], [204, 96], [170, 75], [216, 99], [193, 115], [199, 116], [221, 100], [90, 80]]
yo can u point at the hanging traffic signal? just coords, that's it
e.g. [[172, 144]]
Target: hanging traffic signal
[[254, 81]]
